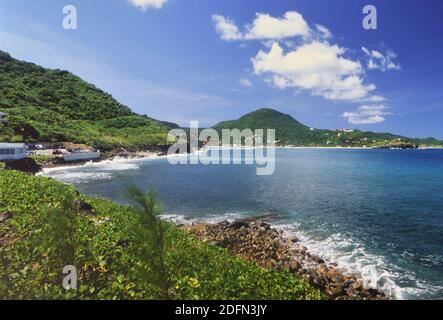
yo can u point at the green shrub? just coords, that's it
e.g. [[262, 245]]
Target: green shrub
[[115, 250]]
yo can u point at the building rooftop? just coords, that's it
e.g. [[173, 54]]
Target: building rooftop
[[12, 145]]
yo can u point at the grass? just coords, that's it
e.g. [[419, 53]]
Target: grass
[[48, 231], [41, 159]]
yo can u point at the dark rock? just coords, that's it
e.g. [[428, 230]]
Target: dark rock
[[373, 292], [265, 226], [318, 260], [83, 206], [294, 239], [256, 240], [322, 268], [336, 291], [237, 224], [301, 249], [274, 233], [5, 216], [347, 284], [250, 220], [317, 280], [25, 165], [123, 243], [351, 292], [294, 266]]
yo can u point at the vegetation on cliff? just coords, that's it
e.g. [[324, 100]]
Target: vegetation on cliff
[[45, 225], [44, 105]]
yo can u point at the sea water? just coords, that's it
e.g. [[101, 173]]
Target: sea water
[[375, 213]]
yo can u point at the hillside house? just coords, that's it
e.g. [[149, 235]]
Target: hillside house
[[12, 151]]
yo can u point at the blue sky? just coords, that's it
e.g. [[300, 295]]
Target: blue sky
[[213, 60]]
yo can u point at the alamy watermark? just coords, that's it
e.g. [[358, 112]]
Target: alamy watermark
[[70, 280], [69, 22], [234, 148], [70, 17], [370, 20]]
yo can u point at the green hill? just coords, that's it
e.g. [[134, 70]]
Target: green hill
[[45, 105], [291, 132], [288, 130]]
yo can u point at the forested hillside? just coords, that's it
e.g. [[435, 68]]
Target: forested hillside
[[289, 131], [56, 106]]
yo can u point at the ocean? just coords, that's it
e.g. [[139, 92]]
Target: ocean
[[375, 213]]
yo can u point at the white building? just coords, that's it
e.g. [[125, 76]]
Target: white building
[[82, 156], [12, 151]]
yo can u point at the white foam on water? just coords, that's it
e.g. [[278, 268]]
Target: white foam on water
[[182, 219], [78, 177], [91, 171], [350, 256]]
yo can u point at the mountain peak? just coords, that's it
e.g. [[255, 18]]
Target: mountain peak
[[265, 111], [277, 117]]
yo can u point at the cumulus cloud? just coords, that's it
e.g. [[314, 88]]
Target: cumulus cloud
[[148, 4], [381, 61], [367, 114], [226, 28], [326, 34], [318, 67], [267, 27], [246, 82], [301, 56], [264, 27]]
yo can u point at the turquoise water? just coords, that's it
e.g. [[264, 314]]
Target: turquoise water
[[377, 213]]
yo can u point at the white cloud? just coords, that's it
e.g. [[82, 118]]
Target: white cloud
[[326, 34], [379, 61], [318, 67], [148, 4], [376, 98], [264, 27], [309, 61], [226, 28], [312, 64], [367, 114], [246, 82], [165, 101]]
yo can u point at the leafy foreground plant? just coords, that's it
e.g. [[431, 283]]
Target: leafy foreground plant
[[109, 247], [150, 240]]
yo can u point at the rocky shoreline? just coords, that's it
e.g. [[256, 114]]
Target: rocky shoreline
[[254, 239]]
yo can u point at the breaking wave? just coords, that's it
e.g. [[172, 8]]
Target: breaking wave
[[349, 255], [92, 170]]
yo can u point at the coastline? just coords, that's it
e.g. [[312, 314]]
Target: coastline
[[324, 248], [146, 155], [133, 157], [114, 250], [257, 240], [313, 268]]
